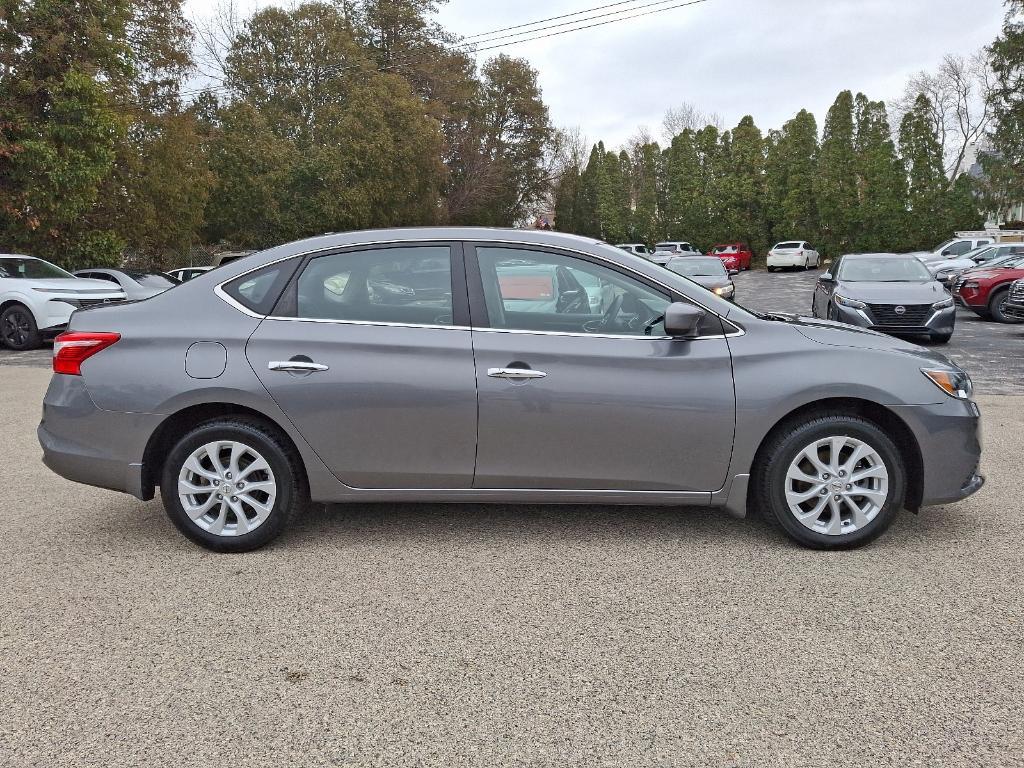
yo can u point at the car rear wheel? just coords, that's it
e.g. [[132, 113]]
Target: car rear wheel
[[834, 482], [231, 485], [996, 305], [18, 329]]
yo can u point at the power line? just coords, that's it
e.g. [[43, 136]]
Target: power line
[[590, 26], [550, 18]]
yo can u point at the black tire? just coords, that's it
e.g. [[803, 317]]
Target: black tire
[[771, 269], [278, 453], [995, 306], [18, 330], [941, 338], [782, 448]]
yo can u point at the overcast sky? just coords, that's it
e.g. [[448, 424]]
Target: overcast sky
[[767, 58]]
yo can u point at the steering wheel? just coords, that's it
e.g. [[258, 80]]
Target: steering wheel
[[607, 318]]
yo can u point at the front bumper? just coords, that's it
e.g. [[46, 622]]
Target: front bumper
[[949, 436], [1014, 309], [89, 445], [941, 322]]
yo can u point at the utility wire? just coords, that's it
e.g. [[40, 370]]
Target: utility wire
[[550, 18]]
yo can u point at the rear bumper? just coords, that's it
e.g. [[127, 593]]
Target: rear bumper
[[786, 261], [86, 444]]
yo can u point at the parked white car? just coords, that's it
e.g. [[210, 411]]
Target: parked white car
[[672, 248], [793, 253], [952, 248], [948, 268], [37, 299]]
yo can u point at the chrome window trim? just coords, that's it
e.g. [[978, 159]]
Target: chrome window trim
[[223, 295]]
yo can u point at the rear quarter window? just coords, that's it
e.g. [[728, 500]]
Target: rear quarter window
[[258, 291]]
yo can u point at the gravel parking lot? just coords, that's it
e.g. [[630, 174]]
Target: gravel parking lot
[[447, 635]]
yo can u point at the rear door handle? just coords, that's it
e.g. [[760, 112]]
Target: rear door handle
[[515, 373], [296, 366]]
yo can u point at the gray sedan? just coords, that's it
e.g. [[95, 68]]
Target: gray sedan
[[136, 285], [886, 292], [708, 271], [488, 374]]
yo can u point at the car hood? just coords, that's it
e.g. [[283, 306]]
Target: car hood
[[834, 334], [78, 286], [939, 266], [990, 273], [893, 293]]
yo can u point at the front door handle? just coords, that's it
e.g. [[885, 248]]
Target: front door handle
[[296, 366], [515, 373]]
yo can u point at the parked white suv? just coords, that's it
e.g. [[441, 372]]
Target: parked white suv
[[793, 253], [672, 248], [952, 248], [37, 299]]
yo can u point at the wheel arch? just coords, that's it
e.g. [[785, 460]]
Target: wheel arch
[[179, 423], [882, 417]]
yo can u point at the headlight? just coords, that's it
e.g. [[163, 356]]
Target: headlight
[[970, 284], [954, 383], [726, 290], [944, 304], [842, 301]]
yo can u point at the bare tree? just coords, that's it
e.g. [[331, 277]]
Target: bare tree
[[960, 94], [214, 35], [686, 115]]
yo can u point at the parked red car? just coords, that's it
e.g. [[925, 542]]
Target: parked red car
[[986, 289], [735, 256]]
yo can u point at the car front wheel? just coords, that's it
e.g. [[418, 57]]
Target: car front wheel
[[996, 305], [231, 485], [18, 329], [834, 482]]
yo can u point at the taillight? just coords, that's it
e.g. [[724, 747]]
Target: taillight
[[73, 348]]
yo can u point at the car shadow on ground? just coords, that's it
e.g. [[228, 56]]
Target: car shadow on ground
[[510, 525]]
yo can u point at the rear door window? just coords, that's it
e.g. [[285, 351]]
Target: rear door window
[[408, 285]]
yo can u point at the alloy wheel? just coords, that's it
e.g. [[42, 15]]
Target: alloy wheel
[[837, 485], [227, 488], [16, 328]]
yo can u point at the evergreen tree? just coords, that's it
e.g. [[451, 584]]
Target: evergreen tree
[[922, 155], [881, 182], [836, 182], [567, 199], [743, 185], [591, 181], [1005, 165], [645, 184], [791, 167]]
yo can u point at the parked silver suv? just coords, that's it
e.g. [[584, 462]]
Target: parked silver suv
[[496, 366]]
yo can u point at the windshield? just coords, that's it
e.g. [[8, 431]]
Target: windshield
[[942, 246], [667, 246], [726, 249], [1008, 262], [696, 267], [153, 279], [884, 269], [29, 268]]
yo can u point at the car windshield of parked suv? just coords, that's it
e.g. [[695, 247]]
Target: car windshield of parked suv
[[725, 249], [697, 267], [884, 269], [1009, 262], [153, 279], [671, 247], [788, 246], [30, 268]]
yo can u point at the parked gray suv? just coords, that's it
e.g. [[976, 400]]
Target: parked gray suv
[[479, 365]]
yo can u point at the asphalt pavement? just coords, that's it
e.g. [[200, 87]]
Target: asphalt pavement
[[468, 635]]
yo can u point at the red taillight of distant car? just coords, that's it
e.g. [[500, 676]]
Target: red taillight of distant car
[[73, 348]]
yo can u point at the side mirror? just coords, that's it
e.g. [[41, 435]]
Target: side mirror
[[683, 320], [826, 277], [734, 271]]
